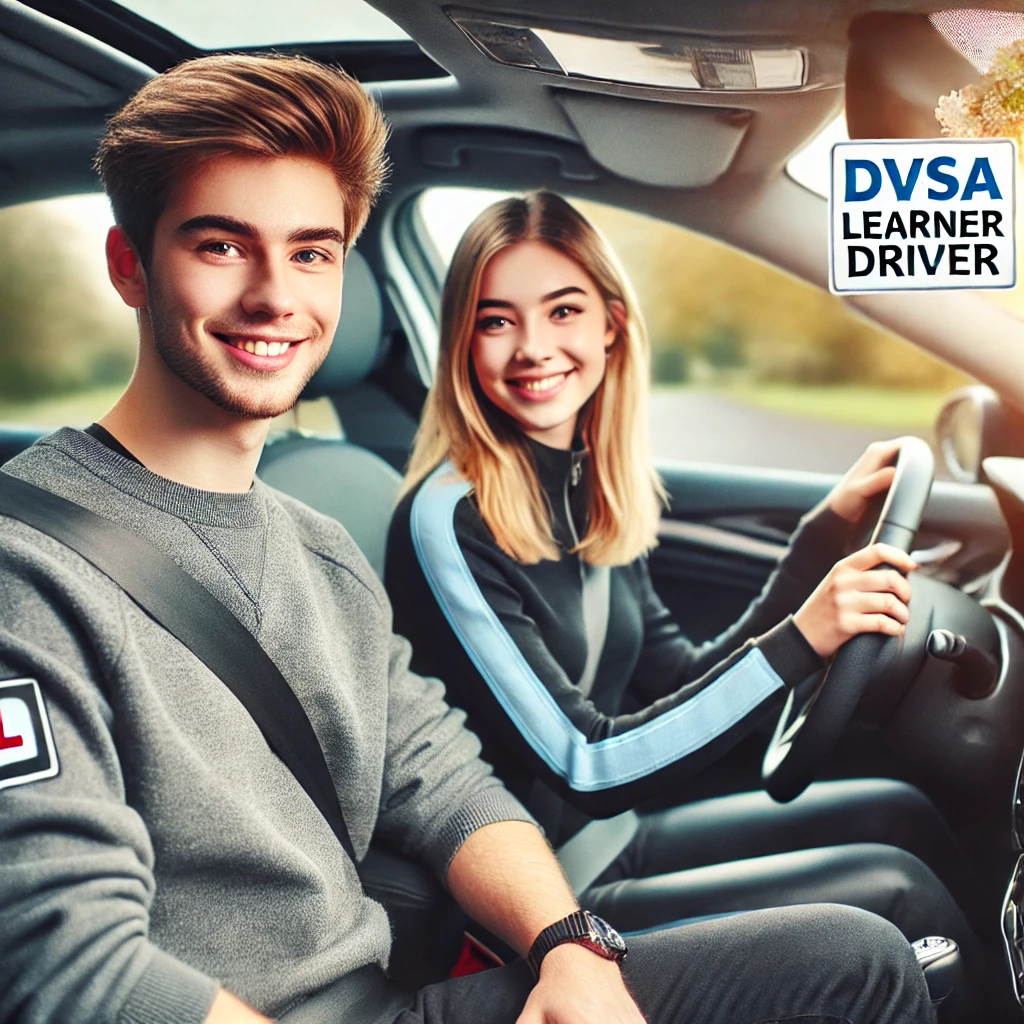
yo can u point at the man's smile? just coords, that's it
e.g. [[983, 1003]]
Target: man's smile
[[260, 352]]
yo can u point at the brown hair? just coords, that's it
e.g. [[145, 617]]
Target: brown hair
[[460, 424], [261, 105]]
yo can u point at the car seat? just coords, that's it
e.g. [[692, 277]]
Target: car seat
[[343, 480]]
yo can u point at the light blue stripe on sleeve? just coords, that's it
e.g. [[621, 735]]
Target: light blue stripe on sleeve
[[586, 767]]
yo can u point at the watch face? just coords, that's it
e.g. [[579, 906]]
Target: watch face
[[606, 934]]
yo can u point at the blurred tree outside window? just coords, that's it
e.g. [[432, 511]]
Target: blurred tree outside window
[[67, 342], [750, 366]]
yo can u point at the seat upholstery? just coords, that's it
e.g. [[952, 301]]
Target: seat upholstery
[[340, 479]]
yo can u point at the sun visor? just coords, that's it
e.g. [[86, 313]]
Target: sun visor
[[898, 67], [667, 144]]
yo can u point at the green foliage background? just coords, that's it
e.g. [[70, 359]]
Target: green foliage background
[[62, 327], [717, 315]]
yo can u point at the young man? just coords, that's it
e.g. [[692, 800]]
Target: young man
[[168, 867]]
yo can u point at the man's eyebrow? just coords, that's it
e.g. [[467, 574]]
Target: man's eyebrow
[[318, 235], [218, 222]]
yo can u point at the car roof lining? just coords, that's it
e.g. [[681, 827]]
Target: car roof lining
[[755, 136]]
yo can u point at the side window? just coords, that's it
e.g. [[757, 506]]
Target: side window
[[67, 342], [749, 365]]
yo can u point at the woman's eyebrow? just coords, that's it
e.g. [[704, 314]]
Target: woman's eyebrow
[[556, 294]]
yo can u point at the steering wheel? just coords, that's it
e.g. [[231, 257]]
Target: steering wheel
[[816, 714]]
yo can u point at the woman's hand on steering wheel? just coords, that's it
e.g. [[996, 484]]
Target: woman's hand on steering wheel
[[857, 597], [869, 476]]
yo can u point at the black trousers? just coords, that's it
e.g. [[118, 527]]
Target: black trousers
[[832, 844], [743, 825], [813, 965], [861, 842]]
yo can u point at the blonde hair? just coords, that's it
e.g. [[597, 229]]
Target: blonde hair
[[460, 424]]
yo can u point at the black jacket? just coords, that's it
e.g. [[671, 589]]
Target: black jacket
[[508, 640]]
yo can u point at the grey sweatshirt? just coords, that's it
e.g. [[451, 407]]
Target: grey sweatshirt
[[172, 847]]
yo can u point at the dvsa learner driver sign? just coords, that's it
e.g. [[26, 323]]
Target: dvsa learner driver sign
[[915, 216]]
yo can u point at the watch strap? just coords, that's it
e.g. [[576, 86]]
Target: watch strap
[[577, 927]]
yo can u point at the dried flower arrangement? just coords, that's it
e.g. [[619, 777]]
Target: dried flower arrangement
[[992, 108]]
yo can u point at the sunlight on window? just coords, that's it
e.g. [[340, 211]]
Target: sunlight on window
[[447, 212], [231, 23]]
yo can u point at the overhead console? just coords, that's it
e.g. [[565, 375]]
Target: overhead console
[[635, 57]]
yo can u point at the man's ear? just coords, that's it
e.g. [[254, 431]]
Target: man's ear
[[616, 322], [125, 269]]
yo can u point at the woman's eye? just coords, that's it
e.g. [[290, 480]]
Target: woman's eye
[[491, 323], [563, 312]]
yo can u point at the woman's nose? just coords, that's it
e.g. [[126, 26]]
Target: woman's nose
[[534, 345]]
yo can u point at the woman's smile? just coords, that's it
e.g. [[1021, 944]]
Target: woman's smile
[[539, 389]]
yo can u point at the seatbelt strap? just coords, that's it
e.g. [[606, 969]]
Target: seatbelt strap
[[589, 853], [596, 598], [593, 849], [207, 627]]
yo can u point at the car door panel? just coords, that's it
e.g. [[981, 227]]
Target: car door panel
[[726, 528]]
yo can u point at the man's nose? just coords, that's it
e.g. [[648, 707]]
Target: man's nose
[[267, 291]]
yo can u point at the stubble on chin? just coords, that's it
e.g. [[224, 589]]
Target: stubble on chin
[[240, 391]]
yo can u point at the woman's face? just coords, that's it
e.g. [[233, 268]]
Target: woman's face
[[540, 339]]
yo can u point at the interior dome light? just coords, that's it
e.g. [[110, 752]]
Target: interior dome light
[[655, 60]]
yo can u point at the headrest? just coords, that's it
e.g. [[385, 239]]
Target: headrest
[[357, 340]]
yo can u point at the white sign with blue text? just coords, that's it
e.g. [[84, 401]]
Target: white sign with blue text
[[907, 215]]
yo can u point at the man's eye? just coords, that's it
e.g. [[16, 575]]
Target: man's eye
[[491, 323], [221, 249], [310, 257]]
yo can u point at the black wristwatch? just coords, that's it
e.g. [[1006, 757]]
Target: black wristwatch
[[583, 928]]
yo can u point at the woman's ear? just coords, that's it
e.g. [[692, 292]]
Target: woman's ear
[[616, 321], [125, 268]]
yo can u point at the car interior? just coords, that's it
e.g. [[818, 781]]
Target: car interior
[[686, 114]]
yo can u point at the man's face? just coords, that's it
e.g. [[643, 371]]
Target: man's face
[[244, 284]]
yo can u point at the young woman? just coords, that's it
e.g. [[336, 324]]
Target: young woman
[[531, 473]]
